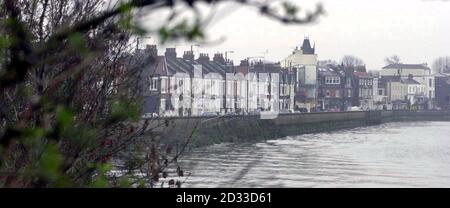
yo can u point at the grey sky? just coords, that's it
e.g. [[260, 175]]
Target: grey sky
[[416, 30]]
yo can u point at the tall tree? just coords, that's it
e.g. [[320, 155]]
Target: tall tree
[[442, 65], [323, 63], [350, 61], [394, 59]]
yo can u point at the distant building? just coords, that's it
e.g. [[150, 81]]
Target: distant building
[[273, 88], [185, 86], [396, 92], [420, 73], [379, 98], [331, 93], [363, 90], [304, 61], [443, 91], [415, 94]]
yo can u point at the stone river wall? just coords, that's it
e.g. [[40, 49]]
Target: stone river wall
[[211, 130]]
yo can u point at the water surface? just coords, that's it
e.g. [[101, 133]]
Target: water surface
[[409, 154]]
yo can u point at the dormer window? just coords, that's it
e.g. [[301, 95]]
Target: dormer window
[[153, 83]]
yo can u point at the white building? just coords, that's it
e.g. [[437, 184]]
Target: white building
[[420, 73], [416, 91], [304, 60]]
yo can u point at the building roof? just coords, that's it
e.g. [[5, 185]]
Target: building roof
[[325, 71], [410, 81], [306, 47], [406, 66], [441, 75], [385, 79], [361, 74], [262, 67]]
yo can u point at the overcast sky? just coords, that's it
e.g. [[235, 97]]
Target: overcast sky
[[416, 30]]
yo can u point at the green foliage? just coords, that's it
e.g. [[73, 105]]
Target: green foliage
[[5, 42], [124, 182], [64, 116], [101, 179], [182, 29], [50, 163], [124, 109], [290, 9], [164, 34], [81, 135], [78, 43], [126, 21]]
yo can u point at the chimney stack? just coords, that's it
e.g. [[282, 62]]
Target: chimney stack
[[189, 55], [170, 53], [204, 57], [152, 50], [244, 62], [218, 57]]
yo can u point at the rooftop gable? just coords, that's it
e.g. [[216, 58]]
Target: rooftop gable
[[406, 66]]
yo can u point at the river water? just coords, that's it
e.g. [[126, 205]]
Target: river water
[[407, 154]]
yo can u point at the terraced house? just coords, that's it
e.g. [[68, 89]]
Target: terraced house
[[363, 90], [330, 89], [185, 86]]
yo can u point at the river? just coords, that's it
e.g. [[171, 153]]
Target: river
[[404, 154]]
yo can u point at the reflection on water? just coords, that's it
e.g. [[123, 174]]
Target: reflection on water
[[415, 154]]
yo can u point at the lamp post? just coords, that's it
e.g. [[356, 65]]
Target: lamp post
[[138, 40], [226, 54], [192, 47]]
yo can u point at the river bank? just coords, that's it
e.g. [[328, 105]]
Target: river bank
[[202, 131]]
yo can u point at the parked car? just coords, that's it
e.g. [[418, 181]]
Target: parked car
[[301, 110], [285, 111], [355, 108], [169, 114], [209, 114], [150, 115]]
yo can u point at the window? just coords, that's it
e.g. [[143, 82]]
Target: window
[[349, 93], [163, 84], [380, 92], [338, 93], [337, 80], [328, 93], [153, 83], [430, 82]]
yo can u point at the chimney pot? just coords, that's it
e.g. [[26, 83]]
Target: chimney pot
[[170, 53]]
